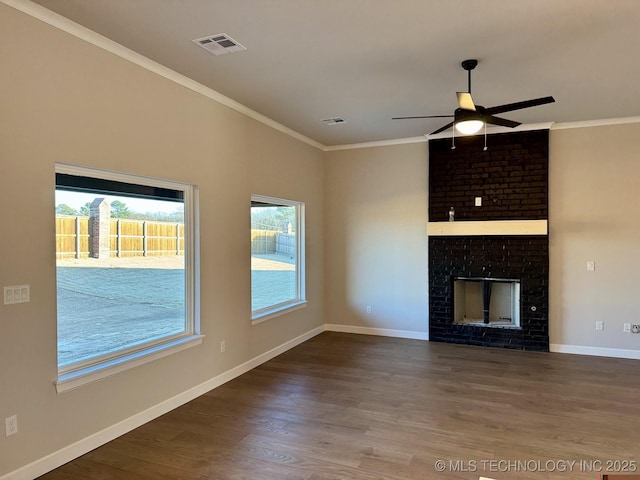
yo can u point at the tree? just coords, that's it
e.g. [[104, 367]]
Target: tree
[[286, 216], [64, 209], [273, 218], [173, 217], [119, 209], [85, 210]]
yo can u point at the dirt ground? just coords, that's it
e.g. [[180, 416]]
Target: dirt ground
[[109, 304], [168, 262], [258, 262]]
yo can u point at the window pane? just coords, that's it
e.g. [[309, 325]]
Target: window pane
[[274, 266], [120, 273]]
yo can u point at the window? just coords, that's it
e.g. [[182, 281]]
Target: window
[[277, 256], [127, 289]]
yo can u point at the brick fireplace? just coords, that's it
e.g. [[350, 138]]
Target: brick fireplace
[[500, 198]]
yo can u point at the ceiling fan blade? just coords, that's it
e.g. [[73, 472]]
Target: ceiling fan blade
[[500, 121], [465, 101], [519, 105], [442, 129], [423, 116]]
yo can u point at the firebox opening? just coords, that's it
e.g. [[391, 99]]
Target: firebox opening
[[486, 302]]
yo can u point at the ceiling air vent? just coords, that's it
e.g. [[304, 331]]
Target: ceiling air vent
[[219, 44], [333, 121]]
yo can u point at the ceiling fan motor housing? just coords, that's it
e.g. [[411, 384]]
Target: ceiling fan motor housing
[[461, 114], [469, 64]]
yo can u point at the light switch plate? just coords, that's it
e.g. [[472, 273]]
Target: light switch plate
[[591, 265], [17, 294]]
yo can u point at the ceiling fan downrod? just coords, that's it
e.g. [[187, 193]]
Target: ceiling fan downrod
[[469, 65]]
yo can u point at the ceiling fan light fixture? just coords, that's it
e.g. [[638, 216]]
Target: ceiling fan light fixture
[[469, 127], [469, 118]]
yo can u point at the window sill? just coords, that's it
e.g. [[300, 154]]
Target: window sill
[[276, 312], [75, 379]]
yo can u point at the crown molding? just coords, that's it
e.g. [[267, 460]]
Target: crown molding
[[492, 130], [427, 137], [64, 24], [381, 143], [595, 123]]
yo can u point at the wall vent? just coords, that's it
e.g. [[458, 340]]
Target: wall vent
[[333, 121], [219, 44]]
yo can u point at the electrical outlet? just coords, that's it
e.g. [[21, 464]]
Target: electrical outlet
[[599, 326], [223, 346], [626, 328], [368, 309], [591, 266], [11, 425]]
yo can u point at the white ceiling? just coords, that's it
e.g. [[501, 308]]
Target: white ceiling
[[369, 60]]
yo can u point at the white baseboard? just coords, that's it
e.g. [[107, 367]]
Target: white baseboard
[[557, 348], [595, 351], [382, 332], [66, 454]]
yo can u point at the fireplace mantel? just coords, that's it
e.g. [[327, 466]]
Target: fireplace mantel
[[495, 227]]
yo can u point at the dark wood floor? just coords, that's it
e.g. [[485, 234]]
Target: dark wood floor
[[344, 406]]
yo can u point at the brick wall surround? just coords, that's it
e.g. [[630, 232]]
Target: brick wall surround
[[100, 228], [512, 179], [523, 257]]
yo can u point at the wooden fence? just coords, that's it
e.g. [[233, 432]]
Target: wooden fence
[[265, 242], [286, 244], [128, 238]]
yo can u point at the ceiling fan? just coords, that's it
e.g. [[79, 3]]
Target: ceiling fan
[[469, 118]]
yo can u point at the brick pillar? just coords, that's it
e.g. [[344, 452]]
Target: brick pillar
[[100, 222]]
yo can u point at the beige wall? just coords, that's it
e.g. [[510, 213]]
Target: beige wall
[[376, 252], [376, 210], [594, 216], [64, 100]]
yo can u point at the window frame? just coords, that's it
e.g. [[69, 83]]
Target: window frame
[[300, 300], [79, 373]]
